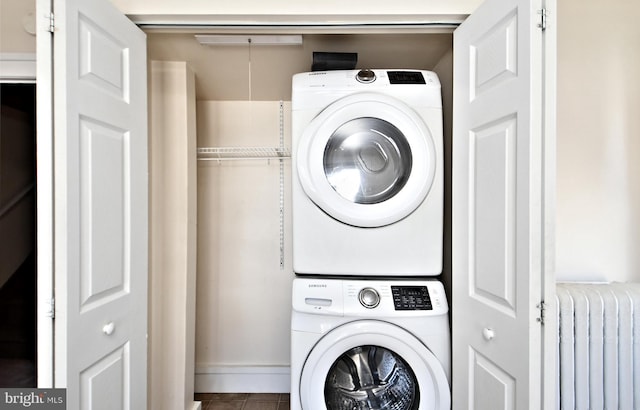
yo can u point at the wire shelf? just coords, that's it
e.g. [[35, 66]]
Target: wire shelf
[[239, 153]]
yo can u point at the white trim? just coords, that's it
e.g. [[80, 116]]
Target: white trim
[[298, 24], [245, 379], [44, 189], [550, 93], [17, 67]]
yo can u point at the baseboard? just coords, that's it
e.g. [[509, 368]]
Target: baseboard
[[242, 379]]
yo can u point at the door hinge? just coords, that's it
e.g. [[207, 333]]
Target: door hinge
[[542, 22], [51, 312], [541, 307], [52, 23]]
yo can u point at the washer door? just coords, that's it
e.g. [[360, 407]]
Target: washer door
[[372, 364], [367, 160]]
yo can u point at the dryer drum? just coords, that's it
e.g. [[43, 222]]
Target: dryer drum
[[367, 160], [371, 377]]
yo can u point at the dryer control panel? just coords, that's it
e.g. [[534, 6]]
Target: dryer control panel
[[318, 89]]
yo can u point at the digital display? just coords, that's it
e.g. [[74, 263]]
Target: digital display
[[405, 77], [411, 298]]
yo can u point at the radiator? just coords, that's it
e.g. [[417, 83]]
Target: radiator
[[598, 346]]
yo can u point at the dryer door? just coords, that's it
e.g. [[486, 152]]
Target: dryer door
[[367, 160], [372, 364]]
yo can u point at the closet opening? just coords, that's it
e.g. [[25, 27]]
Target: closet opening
[[242, 101]]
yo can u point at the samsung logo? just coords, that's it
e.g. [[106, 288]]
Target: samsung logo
[[312, 285]]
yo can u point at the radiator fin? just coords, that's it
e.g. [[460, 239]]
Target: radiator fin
[[598, 346]]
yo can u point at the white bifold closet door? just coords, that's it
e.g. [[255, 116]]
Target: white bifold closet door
[[99, 208], [500, 222]]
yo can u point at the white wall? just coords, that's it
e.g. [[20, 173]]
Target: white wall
[[225, 73], [598, 185], [243, 297], [14, 14]]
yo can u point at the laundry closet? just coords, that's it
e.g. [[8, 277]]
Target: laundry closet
[[219, 231], [243, 116], [237, 132]]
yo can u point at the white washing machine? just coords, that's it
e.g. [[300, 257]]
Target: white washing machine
[[369, 344], [367, 173]]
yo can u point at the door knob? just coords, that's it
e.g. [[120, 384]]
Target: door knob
[[109, 328], [488, 333]]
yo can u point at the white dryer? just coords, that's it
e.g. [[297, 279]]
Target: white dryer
[[367, 173], [369, 344]]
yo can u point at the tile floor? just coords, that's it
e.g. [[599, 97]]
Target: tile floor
[[243, 401]]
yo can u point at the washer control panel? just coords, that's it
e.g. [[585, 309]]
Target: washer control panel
[[369, 298]]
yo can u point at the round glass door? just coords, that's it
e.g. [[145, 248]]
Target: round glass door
[[371, 377], [370, 364], [367, 160]]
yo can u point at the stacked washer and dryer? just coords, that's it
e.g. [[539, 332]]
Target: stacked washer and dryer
[[369, 326]]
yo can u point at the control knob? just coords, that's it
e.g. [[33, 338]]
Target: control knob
[[366, 76], [369, 298]]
